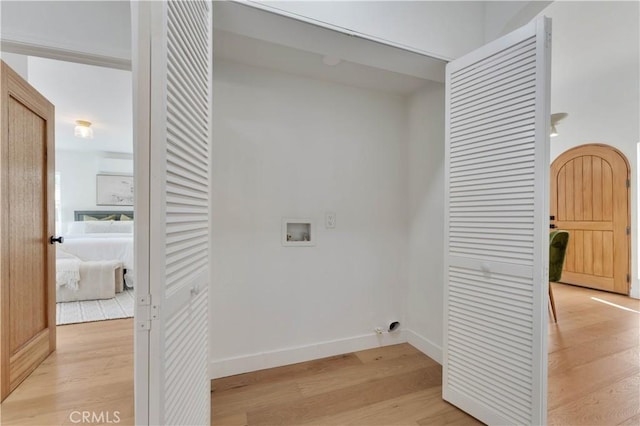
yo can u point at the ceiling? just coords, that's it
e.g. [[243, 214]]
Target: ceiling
[[259, 53], [259, 38], [100, 95]]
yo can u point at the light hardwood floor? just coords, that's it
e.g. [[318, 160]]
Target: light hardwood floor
[[594, 359], [91, 370], [394, 385], [594, 377]]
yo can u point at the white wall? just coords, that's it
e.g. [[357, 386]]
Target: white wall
[[18, 63], [78, 172], [424, 307], [444, 29], [595, 78], [287, 146], [502, 17]]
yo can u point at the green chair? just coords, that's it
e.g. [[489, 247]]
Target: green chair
[[558, 242]]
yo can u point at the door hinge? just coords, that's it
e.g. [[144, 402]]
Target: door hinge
[[628, 183], [628, 278], [628, 230], [146, 312], [547, 40]]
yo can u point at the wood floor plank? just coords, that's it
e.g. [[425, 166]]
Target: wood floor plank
[[449, 416], [402, 410], [386, 353], [609, 405], [262, 394], [234, 420], [348, 398], [286, 372], [259, 396], [582, 380], [566, 339], [368, 372], [631, 421], [584, 353]]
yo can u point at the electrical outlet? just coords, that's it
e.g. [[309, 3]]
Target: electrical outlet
[[330, 220], [378, 330]]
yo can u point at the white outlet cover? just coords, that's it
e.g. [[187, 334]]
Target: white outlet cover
[[330, 220]]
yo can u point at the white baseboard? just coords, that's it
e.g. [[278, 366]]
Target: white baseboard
[[259, 361], [424, 345]]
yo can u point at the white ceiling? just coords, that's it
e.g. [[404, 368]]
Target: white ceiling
[[100, 95], [256, 37], [259, 53]]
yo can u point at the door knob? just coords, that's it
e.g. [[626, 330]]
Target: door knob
[[53, 240]]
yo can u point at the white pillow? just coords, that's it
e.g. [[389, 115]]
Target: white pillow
[[98, 227], [122, 227], [75, 228]]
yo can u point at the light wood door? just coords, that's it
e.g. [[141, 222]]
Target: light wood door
[[27, 263], [590, 199]]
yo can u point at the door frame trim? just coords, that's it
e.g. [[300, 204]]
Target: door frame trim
[[61, 54]]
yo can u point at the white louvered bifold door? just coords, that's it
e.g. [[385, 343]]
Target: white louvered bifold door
[[496, 245], [179, 97]]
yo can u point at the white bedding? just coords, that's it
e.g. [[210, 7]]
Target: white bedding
[[67, 270], [110, 246]]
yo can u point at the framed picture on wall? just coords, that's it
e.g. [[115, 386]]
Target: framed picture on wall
[[114, 190]]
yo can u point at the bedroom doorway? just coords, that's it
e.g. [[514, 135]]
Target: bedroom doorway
[[93, 188], [93, 292], [84, 47], [93, 185]]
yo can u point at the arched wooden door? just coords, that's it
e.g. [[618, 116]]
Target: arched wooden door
[[590, 199]]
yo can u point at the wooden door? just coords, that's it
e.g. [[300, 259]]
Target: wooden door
[[27, 262], [590, 199]]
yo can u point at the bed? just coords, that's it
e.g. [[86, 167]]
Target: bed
[[97, 240]]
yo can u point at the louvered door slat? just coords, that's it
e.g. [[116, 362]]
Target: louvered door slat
[[515, 73], [489, 109], [477, 98], [488, 63], [496, 236], [489, 119], [519, 59]]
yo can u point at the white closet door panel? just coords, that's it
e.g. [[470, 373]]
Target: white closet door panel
[[186, 194], [179, 121], [496, 231]]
